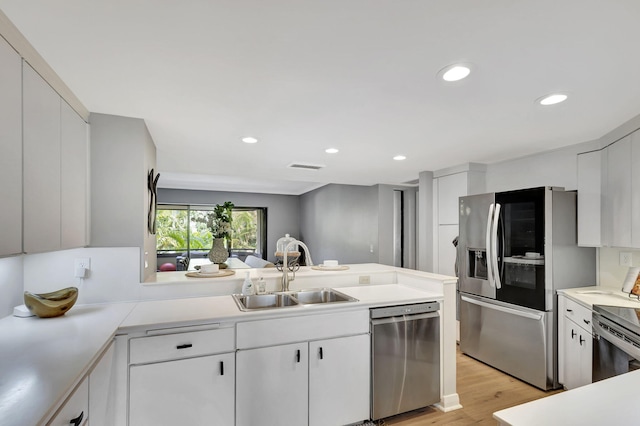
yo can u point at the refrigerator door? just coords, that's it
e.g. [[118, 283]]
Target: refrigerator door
[[474, 245], [516, 340]]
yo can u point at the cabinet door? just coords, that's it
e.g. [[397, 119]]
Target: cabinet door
[[619, 192], [41, 144], [74, 178], [101, 390], [446, 250], [272, 386], [450, 188], [572, 362], [589, 199], [339, 380], [635, 188], [11, 146], [75, 409], [195, 391]]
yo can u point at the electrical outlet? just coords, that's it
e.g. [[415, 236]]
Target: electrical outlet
[[625, 258], [364, 279], [82, 262]]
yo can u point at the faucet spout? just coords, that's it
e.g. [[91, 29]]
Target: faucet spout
[[285, 264]]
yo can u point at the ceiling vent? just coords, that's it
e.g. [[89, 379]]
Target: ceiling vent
[[305, 166]]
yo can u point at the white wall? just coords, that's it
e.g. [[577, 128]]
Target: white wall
[[114, 274], [552, 168], [10, 284]]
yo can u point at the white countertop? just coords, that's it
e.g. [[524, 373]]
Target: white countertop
[[589, 296], [608, 402], [41, 360]]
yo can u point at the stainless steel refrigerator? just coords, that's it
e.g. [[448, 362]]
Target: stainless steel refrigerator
[[515, 250]]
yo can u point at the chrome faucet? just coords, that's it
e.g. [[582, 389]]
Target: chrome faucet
[[285, 265]]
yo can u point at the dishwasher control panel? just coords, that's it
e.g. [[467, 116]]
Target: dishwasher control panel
[[394, 311]]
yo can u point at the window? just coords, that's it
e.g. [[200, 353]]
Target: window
[[179, 231]]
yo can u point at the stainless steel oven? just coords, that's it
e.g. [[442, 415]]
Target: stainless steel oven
[[616, 341]]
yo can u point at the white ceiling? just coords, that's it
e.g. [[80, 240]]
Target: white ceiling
[[357, 75]]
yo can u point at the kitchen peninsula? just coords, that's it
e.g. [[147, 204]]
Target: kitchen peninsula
[[42, 374]]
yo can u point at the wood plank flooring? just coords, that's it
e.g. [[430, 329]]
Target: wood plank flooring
[[482, 390]]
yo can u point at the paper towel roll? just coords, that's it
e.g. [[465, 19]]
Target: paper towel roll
[[630, 279]]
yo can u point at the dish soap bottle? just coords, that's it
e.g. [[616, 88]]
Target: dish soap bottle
[[261, 286], [247, 285]]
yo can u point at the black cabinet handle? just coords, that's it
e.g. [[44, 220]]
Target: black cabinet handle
[[77, 420], [321, 354], [586, 321], [298, 355], [573, 333], [581, 340], [222, 368], [188, 345], [569, 310]]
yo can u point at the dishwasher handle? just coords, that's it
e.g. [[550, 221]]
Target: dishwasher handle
[[400, 318]]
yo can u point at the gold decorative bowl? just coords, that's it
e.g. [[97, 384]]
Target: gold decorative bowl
[[48, 305]]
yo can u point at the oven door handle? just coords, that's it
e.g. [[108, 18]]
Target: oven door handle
[[524, 314]]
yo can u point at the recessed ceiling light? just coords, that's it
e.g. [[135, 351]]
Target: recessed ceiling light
[[554, 98], [455, 72], [399, 157], [249, 140], [331, 150]]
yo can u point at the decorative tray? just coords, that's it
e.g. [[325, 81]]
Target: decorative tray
[[198, 274]]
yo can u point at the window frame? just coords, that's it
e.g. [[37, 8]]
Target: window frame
[[261, 237]]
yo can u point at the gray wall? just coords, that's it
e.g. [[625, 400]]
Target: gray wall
[[340, 222], [283, 211], [122, 153]]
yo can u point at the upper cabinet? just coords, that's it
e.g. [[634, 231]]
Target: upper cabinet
[[609, 195], [11, 146], [55, 148]]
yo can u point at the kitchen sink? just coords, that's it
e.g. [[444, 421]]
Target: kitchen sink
[[264, 301], [290, 299], [321, 295]]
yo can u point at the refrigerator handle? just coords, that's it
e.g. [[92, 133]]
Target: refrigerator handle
[[494, 247], [488, 247]]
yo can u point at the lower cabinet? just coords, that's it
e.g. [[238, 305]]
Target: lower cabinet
[[339, 372], [193, 391], [576, 343], [75, 410], [323, 382]]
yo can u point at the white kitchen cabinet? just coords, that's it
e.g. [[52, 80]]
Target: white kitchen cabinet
[[55, 162], [575, 336], [186, 377], [11, 146], [590, 199], [75, 410], [618, 196], [635, 188], [101, 389], [74, 177], [282, 379], [41, 148], [272, 386], [339, 380], [193, 391]]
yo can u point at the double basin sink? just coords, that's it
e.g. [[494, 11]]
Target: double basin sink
[[290, 298]]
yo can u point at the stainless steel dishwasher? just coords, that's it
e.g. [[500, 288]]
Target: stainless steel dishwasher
[[405, 358]]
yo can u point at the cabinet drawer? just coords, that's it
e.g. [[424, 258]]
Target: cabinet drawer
[[181, 345], [578, 314], [75, 410]]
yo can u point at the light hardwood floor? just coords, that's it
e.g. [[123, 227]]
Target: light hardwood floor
[[482, 390]]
